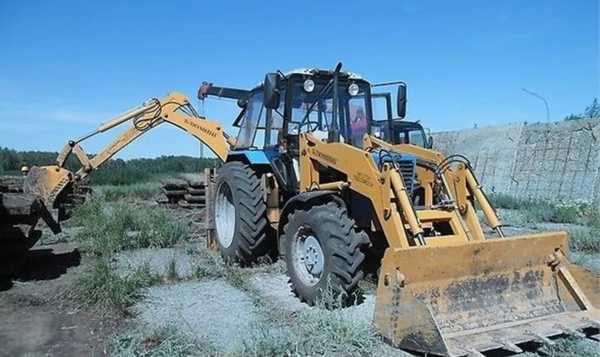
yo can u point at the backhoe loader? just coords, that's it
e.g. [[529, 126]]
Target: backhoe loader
[[323, 199], [312, 178]]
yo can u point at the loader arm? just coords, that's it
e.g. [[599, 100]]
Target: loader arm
[[49, 182], [462, 183], [384, 188]]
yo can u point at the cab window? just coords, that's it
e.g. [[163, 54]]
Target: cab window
[[277, 121], [254, 119]]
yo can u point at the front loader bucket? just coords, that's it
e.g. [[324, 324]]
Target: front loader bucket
[[464, 299], [47, 182]]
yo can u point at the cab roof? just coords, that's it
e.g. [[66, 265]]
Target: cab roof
[[316, 72]]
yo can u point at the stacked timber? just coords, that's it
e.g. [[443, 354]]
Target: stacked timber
[[80, 189], [187, 190], [76, 194], [11, 183], [19, 231]]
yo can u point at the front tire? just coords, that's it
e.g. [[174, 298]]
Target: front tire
[[240, 214], [323, 254]]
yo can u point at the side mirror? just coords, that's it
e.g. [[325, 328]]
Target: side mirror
[[401, 101], [429, 142], [271, 91]]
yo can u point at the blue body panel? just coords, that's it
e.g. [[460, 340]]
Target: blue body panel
[[254, 157], [407, 165]]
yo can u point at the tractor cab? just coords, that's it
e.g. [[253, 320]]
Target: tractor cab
[[274, 113], [406, 132], [333, 105], [338, 111], [396, 130]]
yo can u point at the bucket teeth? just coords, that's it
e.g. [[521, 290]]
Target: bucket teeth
[[541, 338], [472, 352], [591, 322], [509, 346], [569, 331]]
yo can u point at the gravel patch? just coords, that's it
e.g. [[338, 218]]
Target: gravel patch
[[158, 260], [212, 310], [276, 290], [586, 260]]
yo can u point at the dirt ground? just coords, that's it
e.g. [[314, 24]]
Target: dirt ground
[[37, 319]]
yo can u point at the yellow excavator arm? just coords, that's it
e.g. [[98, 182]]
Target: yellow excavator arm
[[48, 182]]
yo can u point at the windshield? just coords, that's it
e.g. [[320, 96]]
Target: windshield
[[315, 115]]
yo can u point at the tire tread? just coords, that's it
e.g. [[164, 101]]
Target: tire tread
[[344, 246], [252, 222]]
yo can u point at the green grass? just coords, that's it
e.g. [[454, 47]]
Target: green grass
[[584, 239], [309, 332], [571, 347], [538, 210], [164, 341], [103, 289], [584, 235], [140, 190], [171, 273], [109, 227], [213, 267]]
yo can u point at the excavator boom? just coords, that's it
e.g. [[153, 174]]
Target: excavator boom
[[49, 182]]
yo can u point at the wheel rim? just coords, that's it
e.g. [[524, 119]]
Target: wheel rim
[[308, 257], [224, 215]]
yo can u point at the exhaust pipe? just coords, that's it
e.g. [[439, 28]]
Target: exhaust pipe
[[334, 133]]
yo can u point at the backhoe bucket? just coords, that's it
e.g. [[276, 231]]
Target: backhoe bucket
[[464, 299], [47, 182]]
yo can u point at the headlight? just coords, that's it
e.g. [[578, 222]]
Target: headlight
[[309, 85], [353, 89], [293, 128], [376, 131]]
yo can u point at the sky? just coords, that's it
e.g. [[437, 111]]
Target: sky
[[68, 66]]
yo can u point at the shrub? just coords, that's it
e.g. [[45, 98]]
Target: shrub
[[109, 227], [546, 211], [105, 290], [140, 190], [585, 239]]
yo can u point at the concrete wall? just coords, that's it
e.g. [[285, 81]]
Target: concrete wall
[[552, 161]]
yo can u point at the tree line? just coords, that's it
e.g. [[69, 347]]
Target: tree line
[[591, 111], [113, 172]]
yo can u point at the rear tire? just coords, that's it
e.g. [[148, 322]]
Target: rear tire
[[240, 214], [322, 239]]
